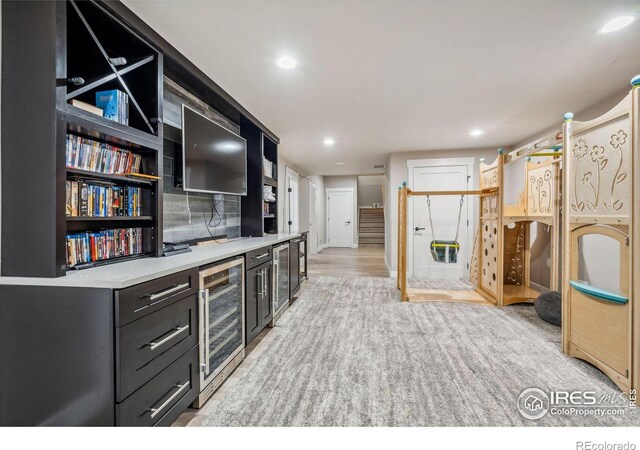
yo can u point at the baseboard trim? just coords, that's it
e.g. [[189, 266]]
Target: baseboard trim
[[392, 273], [354, 245], [322, 247]]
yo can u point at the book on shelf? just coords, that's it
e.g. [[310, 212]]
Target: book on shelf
[[115, 105], [83, 248], [87, 107], [89, 199], [99, 157]]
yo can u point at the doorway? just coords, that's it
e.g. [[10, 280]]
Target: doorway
[[443, 224], [313, 225], [339, 217]]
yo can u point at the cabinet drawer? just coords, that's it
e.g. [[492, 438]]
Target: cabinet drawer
[[145, 298], [257, 257], [165, 397], [148, 345]]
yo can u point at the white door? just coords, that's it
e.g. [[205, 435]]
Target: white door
[[292, 196], [339, 218], [444, 215], [313, 226]]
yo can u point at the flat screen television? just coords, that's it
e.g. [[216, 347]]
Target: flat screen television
[[214, 159]]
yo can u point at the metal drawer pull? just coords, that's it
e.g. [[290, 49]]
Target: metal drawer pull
[[155, 411], [178, 330], [169, 291], [264, 255]]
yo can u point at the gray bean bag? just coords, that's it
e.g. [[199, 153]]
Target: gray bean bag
[[549, 307]]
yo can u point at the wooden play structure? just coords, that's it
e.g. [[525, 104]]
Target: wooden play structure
[[601, 324], [486, 192], [538, 201], [500, 260]]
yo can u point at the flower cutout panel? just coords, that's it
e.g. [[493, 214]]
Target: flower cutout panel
[[599, 182]]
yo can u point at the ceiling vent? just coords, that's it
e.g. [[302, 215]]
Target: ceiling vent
[[378, 166]]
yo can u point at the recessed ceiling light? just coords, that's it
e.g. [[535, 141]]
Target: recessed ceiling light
[[482, 160], [329, 142], [286, 62], [339, 164], [476, 132], [617, 24]]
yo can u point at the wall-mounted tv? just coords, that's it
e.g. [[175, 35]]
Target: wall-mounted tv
[[214, 159]]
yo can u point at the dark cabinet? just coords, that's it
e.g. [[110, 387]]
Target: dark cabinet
[[258, 309], [294, 266]]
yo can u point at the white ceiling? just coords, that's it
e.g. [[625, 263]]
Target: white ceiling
[[384, 77]]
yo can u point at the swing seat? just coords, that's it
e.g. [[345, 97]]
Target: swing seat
[[445, 251]]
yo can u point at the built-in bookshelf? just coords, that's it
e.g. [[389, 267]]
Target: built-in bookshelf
[[270, 185], [53, 87], [113, 151], [107, 97]]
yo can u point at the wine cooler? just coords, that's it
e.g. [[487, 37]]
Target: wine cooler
[[280, 284], [221, 323]]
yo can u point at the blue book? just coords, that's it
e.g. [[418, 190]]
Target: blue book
[[113, 103]]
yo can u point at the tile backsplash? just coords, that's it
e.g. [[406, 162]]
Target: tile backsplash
[[189, 216]]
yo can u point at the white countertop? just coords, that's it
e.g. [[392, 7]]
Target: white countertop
[[128, 273]]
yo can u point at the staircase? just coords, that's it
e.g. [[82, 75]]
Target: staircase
[[371, 227]]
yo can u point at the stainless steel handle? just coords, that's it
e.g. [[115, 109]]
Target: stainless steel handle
[[264, 255], [177, 331], [259, 274], [206, 330], [155, 411], [169, 291], [203, 331], [265, 283]]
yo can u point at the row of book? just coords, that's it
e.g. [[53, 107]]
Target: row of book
[[87, 154], [266, 209], [83, 248], [94, 200], [114, 105]]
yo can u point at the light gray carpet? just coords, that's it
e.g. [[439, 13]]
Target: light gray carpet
[[349, 353]]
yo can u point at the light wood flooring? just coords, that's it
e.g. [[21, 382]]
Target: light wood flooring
[[348, 262], [341, 262]]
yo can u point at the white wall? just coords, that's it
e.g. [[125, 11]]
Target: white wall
[[396, 172], [370, 190], [332, 182]]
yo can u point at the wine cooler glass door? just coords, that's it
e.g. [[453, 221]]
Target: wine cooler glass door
[[280, 277], [222, 316]]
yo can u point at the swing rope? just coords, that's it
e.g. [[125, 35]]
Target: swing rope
[[433, 235], [444, 251]]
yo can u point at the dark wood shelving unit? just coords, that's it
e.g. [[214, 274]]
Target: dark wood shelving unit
[[76, 40], [254, 221]]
